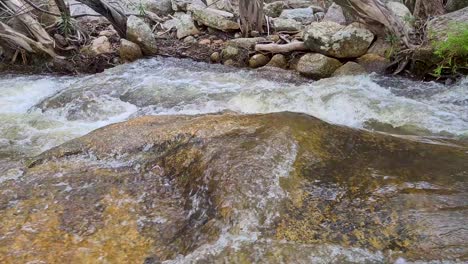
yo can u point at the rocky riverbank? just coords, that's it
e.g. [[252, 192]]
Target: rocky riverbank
[[315, 38]]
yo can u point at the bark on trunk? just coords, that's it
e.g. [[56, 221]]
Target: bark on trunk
[[114, 14], [251, 15], [372, 11]]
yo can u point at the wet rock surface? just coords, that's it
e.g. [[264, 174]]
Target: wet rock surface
[[238, 188]]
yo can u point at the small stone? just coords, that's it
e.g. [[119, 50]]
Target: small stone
[[373, 63], [317, 66], [190, 39], [350, 68], [278, 61], [205, 42], [237, 35], [129, 51], [100, 45], [258, 60], [229, 53], [245, 43], [229, 63], [215, 57], [218, 41], [254, 33]]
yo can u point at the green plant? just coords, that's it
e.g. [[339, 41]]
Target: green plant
[[409, 19], [453, 51], [65, 25], [141, 9], [394, 42]]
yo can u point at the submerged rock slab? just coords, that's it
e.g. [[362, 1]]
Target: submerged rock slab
[[274, 186]]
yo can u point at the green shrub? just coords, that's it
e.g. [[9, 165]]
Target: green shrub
[[453, 51]]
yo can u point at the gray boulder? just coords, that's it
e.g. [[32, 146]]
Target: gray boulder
[[303, 15], [333, 39], [183, 23], [454, 5], [216, 19], [274, 9], [317, 66], [335, 14], [439, 27], [140, 33], [403, 13], [286, 24], [186, 5]]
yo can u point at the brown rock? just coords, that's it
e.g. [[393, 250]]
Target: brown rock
[[258, 60], [205, 42], [129, 51], [350, 68], [278, 61], [373, 63]]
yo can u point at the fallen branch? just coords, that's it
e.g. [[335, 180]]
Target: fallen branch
[[281, 48]]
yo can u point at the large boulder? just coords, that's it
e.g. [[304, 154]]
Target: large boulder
[[439, 27], [282, 187], [333, 39], [317, 66], [216, 19], [454, 5], [129, 51], [140, 33]]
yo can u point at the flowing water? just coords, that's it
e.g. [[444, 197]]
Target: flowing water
[[40, 112]]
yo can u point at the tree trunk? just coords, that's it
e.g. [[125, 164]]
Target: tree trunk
[[114, 14], [424, 9], [19, 40], [375, 11], [251, 15], [31, 24]]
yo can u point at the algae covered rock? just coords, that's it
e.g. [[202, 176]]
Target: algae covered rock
[[317, 66], [224, 188], [350, 68], [258, 60], [140, 33], [335, 40], [129, 51]]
